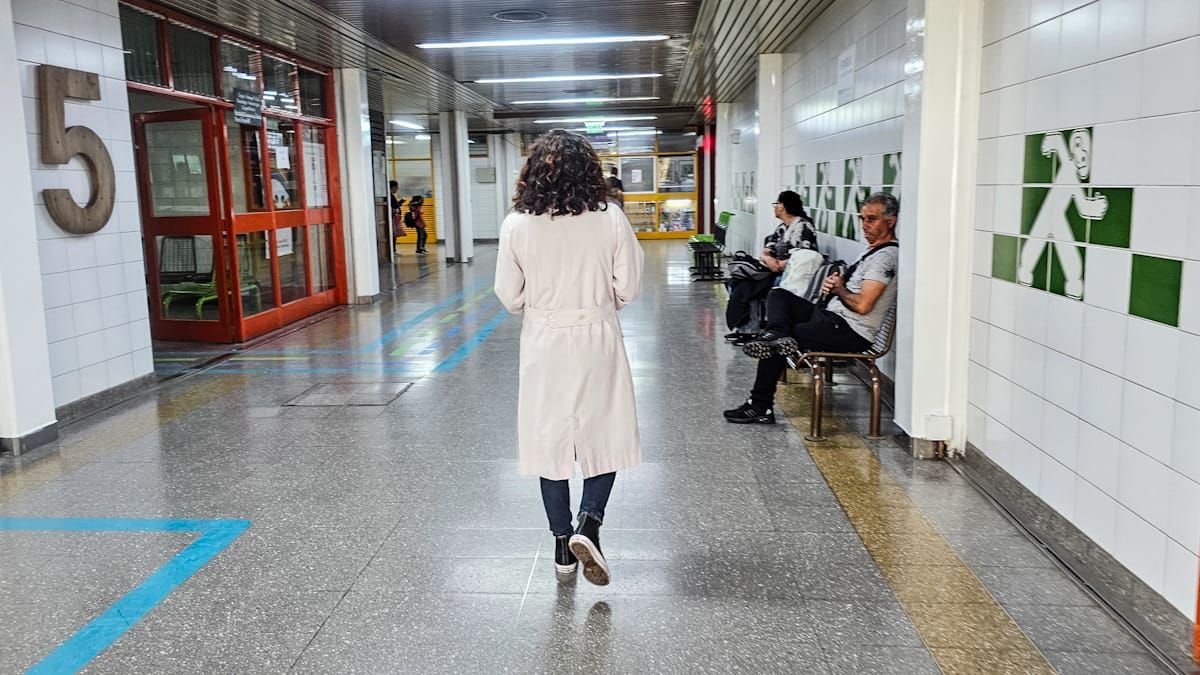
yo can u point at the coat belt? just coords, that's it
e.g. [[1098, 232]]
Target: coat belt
[[564, 318]]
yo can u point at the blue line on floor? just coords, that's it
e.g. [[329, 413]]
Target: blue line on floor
[[88, 642], [470, 345], [407, 325]]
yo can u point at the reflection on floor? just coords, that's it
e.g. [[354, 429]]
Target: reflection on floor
[[398, 537]]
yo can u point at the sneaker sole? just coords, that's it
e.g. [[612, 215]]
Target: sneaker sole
[[788, 348], [747, 420], [565, 569], [595, 569]]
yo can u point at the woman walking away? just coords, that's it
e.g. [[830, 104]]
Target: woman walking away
[[568, 261], [414, 219]]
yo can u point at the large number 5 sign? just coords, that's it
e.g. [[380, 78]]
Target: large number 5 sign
[[60, 144]]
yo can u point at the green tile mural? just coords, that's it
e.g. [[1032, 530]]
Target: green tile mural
[[835, 198], [1154, 289], [1062, 215]]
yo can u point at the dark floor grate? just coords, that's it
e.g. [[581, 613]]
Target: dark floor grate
[[351, 394]]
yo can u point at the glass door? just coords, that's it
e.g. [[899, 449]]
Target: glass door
[[182, 231]]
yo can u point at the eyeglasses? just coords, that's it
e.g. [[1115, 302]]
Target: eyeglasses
[[776, 203]]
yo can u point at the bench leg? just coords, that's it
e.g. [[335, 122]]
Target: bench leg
[[818, 400], [875, 394]]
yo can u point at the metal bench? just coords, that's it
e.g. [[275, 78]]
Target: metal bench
[[707, 251], [821, 365]]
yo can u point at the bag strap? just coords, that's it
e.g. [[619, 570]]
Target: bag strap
[[850, 270]]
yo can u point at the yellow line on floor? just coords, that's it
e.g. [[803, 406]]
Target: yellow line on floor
[[966, 630], [92, 441]]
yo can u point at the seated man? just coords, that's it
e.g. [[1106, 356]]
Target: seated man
[[794, 231], [857, 307]]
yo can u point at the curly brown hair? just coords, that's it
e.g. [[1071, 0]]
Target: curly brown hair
[[562, 176]]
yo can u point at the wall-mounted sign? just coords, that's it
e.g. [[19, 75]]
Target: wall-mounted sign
[[59, 145], [845, 76], [247, 107]]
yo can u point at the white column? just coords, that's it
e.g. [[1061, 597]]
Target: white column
[[455, 195], [26, 395], [770, 140], [358, 190], [723, 162], [941, 127]]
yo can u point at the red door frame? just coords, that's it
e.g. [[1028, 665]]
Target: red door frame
[[212, 225]]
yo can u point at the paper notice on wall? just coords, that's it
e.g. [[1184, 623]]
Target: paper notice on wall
[[635, 175], [283, 242], [283, 158], [845, 76]]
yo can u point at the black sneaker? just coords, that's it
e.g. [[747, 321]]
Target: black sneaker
[[585, 544], [769, 344], [564, 561], [742, 339], [730, 337], [748, 414]]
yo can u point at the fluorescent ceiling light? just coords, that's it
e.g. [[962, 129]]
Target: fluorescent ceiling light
[[565, 78], [422, 137], [608, 130], [597, 99], [585, 120], [540, 42], [408, 125]]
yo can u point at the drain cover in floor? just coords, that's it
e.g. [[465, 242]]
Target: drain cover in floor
[[351, 394]]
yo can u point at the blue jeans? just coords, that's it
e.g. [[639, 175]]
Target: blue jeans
[[422, 238], [556, 496]]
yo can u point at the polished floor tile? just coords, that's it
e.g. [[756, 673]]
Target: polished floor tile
[[391, 532]]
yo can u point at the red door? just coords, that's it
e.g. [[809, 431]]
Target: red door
[[183, 227]]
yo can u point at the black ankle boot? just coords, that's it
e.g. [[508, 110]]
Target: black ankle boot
[[585, 544], [564, 561]]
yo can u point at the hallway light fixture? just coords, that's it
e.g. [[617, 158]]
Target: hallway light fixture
[[596, 99], [563, 78], [542, 42], [608, 130], [585, 120], [422, 137], [408, 125]]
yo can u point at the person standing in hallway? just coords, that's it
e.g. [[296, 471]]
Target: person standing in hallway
[[568, 261], [858, 303], [414, 219], [616, 187]]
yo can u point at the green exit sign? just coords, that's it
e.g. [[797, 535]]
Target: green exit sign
[[594, 127]]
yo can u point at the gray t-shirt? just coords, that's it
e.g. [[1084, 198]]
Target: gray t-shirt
[[880, 266]]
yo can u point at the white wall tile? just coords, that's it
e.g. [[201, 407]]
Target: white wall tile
[[1043, 10], [1104, 339], [1140, 547], [1117, 151], [1148, 421], [1043, 48], [139, 335], [1183, 519], [1101, 399], [89, 349], [1064, 327], [1189, 298], [81, 252], [1029, 365], [1142, 486], [1015, 16], [1162, 93], [1098, 458], [1122, 26], [1185, 454], [1152, 355], [1169, 20], [1107, 276], [1161, 219], [87, 317], [1080, 37], [93, 379], [63, 357], [85, 285], [1028, 410], [1180, 579], [1003, 302], [138, 305], [116, 341], [1057, 486], [1096, 514], [1060, 435], [1001, 354], [115, 311], [1026, 464], [143, 362], [56, 289], [1158, 156], [112, 281], [1000, 398], [1032, 318], [1119, 86], [1062, 376], [60, 323], [66, 387]]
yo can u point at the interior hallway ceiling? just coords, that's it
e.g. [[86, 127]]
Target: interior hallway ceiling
[[710, 54]]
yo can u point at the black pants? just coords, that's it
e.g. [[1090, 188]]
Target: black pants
[[556, 497], [814, 328], [741, 293], [422, 238]]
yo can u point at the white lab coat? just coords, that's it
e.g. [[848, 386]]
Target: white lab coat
[[568, 276]]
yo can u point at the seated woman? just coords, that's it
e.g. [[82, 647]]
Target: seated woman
[[857, 307], [794, 231]]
